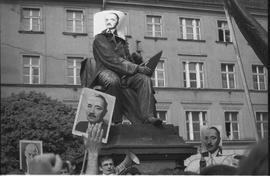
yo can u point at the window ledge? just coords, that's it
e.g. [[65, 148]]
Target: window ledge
[[191, 40], [31, 32], [74, 34], [156, 38], [226, 43]]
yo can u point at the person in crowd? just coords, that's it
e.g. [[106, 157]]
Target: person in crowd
[[218, 169], [106, 165], [95, 112], [115, 69], [257, 162], [211, 139], [45, 164]]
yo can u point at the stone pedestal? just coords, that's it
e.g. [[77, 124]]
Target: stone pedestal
[[156, 147]]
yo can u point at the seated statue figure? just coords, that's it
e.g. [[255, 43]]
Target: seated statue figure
[[119, 73]]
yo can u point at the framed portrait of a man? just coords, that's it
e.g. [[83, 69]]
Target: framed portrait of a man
[[28, 150], [94, 107]]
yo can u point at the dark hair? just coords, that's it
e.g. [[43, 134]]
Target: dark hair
[[219, 169], [257, 161], [104, 158]]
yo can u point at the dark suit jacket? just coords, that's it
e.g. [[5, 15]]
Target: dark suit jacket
[[83, 125]]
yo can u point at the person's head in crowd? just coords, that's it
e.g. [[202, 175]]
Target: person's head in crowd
[[106, 165], [31, 150], [219, 169], [132, 171], [256, 163], [212, 139], [67, 168], [111, 20], [96, 108]]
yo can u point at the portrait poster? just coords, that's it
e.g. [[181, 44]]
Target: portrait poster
[[89, 99], [29, 149], [204, 130]]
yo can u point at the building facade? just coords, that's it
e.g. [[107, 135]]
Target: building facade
[[197, 81]]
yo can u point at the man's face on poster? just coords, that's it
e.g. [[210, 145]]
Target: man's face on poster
[[212, 140], [96, 109], [111, 21]]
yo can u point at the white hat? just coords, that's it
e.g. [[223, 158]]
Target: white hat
[[99, 22]]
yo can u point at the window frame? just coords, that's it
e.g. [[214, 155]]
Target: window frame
[[231, 137], [227, 73], [200, 83], [166, 115], [31, 66], [83, 21], [74, 68], [153, 25], [261, 123], [40, 19], [154, 77], [257, 74], [189, 126], [223, 31], [182, 24]]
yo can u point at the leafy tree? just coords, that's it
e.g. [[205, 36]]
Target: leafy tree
[[34, 116]]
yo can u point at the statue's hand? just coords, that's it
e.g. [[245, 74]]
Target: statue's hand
[[144, 70]]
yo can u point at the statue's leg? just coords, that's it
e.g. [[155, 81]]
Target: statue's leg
[[142, 85], [111, 82], [131, 107]]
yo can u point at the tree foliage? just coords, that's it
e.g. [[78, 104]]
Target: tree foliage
[[34, 116]]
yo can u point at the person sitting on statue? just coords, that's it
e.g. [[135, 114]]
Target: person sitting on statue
[[114, 69]]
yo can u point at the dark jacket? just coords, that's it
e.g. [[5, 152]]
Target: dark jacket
[[108, 54]]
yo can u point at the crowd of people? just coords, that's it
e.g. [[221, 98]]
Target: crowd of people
[[256, 163]]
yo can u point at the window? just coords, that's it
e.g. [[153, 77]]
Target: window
[[231, 125], [190, 29], [75, 21], [31, 69], [162, 115], [73, 70], [31, 19], [158, 77], [154, 26], [223, 32], [258, 75], [228, 76], [193, 74], [262, 123], [194, 119]]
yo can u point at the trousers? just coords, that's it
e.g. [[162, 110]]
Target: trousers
[[143, 101]]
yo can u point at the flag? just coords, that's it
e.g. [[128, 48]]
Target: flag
[[253, 32]]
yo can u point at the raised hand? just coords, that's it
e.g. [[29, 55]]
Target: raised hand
[[45, 164]]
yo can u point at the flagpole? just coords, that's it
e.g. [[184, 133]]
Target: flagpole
[[238, 58]]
